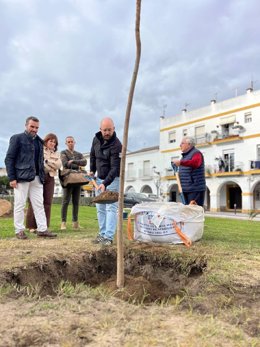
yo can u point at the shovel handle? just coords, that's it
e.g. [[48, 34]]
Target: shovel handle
[[175, 168], [92, 180]]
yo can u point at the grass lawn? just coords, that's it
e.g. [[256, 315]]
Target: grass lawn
[[217, 306], [87, 217], [221, 232]]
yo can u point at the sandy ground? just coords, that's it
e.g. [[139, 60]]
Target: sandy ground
[[63, 293]]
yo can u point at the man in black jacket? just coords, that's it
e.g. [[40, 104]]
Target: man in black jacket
[[25, 170], [105, 161]]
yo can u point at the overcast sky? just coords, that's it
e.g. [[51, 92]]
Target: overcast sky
[[70, 63]]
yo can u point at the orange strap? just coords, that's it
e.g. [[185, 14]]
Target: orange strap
[[183, 237], [130, 234]]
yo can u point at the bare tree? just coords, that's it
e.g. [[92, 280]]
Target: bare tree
[[120, 239]]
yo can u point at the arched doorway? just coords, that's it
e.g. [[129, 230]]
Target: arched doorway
[[129, 189], [230, 197], [256, 197], [234, 197], [207, 199], [146, 189], [173, 193]]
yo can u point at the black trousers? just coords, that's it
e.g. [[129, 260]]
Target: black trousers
[[69, 191], [197, 196]]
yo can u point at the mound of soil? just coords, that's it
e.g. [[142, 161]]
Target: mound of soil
[[5, 207]]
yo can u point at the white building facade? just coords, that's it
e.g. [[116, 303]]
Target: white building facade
[[143, 172], [228, 135]]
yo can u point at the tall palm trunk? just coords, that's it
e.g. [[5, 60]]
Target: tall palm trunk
[[120, 239]]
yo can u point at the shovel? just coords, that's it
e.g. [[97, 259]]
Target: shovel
[[92, 179], [176, 172], [106, 197]]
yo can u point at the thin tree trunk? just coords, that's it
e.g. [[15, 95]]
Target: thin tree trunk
[[120, 239]]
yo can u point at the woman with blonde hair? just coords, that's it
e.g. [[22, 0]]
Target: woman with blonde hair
[[52, 164]]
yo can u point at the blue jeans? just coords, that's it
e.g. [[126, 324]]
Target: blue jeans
[[107, 213]]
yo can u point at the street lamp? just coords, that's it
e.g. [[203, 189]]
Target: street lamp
[[157, 181]]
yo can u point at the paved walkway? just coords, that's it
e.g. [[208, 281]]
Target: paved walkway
[[232, 215]]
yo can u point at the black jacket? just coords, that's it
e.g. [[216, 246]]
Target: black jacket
[[19, 159], [105, 158]]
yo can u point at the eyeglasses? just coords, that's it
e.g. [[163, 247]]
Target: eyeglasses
[[109, 130]]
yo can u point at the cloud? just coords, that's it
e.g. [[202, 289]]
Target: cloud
[[70, 62]]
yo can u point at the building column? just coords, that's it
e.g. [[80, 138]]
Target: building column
[[247, 202], [214, 202]]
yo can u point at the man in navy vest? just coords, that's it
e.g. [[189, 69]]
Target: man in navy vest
[[191, 171]]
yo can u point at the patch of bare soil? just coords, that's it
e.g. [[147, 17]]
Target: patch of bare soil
[[157, 275], [172, 306]]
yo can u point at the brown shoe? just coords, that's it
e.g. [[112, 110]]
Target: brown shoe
[[46, 233], [76, 226], [21, 235], [63, 226]]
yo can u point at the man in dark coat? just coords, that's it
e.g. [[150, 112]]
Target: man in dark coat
[[25, 169]]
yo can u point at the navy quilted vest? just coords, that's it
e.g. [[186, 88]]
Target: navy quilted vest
[[192, 180]]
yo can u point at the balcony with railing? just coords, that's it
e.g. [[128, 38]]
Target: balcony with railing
[[226, 138], [227, 134], [254, 164], [230, 169]]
